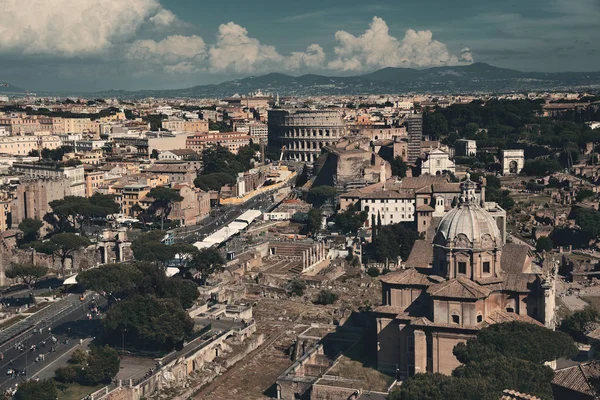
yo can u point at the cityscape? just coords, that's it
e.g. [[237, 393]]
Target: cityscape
[[299, 200]]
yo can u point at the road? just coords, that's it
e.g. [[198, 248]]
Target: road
[[220, 217], [72, 326]]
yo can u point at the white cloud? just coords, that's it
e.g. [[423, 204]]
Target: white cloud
[[313, 58], [114, 30], [163, 18], [235, 51], [376, 48], [74, 27], [177, 54]]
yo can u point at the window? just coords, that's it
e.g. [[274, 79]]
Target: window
[[455, 319], [479, 318], [510, 309], [486, 267], [462, 268]]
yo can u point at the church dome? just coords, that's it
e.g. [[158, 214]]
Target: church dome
[[469, 223]]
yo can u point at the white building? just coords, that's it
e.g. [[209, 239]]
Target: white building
[[391, 206], [437, 162], [22, 145], [466, 148], [512, 161], [257, 131], [75, 175]]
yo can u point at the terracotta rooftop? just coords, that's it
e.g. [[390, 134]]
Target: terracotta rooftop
[[390, 194], [421, 255], [459, 288], [406, 277], [577, 378], [514, 257], [419, 182], [502, 316]]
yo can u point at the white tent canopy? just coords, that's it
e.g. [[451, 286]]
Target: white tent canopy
[[72, 280]]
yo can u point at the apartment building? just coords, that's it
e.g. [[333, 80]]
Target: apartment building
[[22, 145], [232, 141], [74, 175], [182, 125]]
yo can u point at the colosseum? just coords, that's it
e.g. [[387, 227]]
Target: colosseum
[[304, 132]]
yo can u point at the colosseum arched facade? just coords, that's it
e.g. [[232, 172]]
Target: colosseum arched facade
[[305, 132]]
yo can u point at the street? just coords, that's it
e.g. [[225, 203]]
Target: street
[[66, 329], [220, 217]]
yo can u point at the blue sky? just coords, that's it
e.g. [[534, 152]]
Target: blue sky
[[113, 44]]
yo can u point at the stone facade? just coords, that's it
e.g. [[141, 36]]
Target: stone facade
[[304, 132], [74, 175], [32, 197], [462, 281], [466, 148], [512, 161], [437, 162]]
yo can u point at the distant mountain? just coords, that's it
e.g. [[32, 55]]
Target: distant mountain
[[477, 77], [7, 88]]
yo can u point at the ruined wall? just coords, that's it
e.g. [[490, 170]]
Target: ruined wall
[[81, 260]]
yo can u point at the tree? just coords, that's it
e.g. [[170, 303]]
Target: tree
[[500, 372], [102, 364], [31, 229], [98, 365], [27, 273], [63, 245], [373, 272], [296, 287], [435, 125], [40, 390], [148, 322], [580, 322], [318, 195], [113, 281], [544, 244], [214, 181], [149, 247], [441, 387], [203, 264], [506, 355], [352, 219], [589, 221], [326, 297], [71, 212], [541, 167], [156, 283], [164, 198], [516, 340], [399, 167], [313, 224], [584, 194], [393, 241]]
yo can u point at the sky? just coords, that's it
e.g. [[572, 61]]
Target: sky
[[92, 45]]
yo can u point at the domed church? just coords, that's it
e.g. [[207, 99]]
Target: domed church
[[464, 279]]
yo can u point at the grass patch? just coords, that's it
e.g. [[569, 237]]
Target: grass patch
[[75, 391], [12, 321]]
